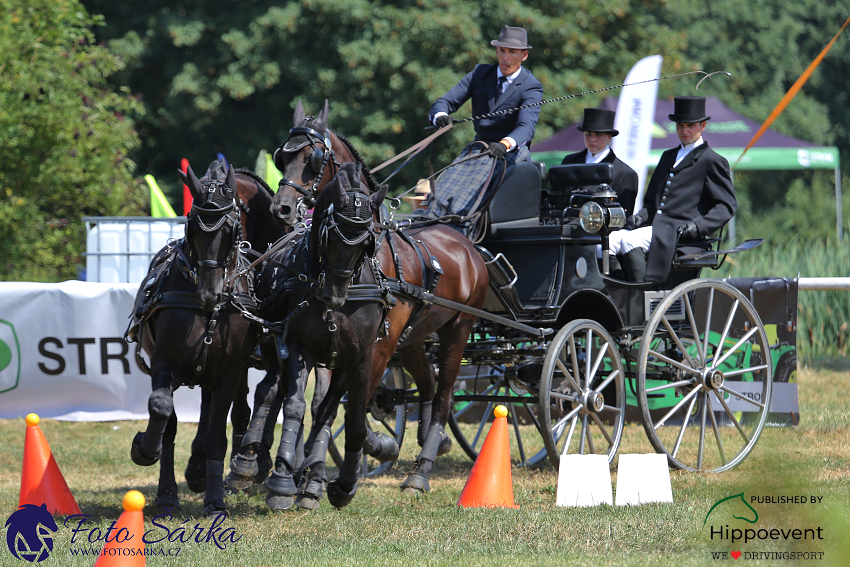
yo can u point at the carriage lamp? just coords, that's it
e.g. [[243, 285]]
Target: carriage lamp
[[594, 217]]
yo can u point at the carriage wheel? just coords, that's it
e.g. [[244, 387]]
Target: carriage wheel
[[477, 392], [704, 362], [582, 392], [388, 414]]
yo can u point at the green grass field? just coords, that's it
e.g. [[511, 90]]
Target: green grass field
[[385, 527]]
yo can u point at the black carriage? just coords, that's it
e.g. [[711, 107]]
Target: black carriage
[[575, 354]]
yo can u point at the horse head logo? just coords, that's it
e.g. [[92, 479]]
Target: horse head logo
[[738, 509], [29, 533]]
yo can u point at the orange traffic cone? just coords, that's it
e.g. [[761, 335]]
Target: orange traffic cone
[[41, 480], [124, 545], [489, 483]]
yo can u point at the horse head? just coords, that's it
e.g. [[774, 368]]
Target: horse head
[[343, 233], [308, 160], [213, 230]]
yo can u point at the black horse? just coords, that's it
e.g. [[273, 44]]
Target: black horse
[[195, 334], [436, 258], [325, 296]]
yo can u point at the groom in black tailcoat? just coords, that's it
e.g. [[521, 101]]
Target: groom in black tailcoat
[[690, 193]]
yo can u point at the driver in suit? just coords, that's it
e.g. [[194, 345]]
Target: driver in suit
[[690, 194], [506, 85]]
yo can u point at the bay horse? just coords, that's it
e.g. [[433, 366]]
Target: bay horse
[[305, 287], [436, 258], [196, 335]]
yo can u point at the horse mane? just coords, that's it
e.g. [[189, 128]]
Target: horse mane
[[373, 185], [256, 177]]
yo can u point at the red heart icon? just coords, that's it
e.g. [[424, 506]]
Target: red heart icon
[[735, 554]]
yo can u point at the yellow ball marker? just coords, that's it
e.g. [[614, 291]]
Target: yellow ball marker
[[133, 501], [32, 419], [500, 411]]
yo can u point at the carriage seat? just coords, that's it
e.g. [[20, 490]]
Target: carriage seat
[[516, 203]]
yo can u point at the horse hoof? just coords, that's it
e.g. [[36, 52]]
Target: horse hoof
[[235, 482], [338, 496], [387, 449], [281, 483], [309, 494], [277, 501], [196, 476], [445, 446], [139, 456], [166, 502], [214, 507], [415, 483]]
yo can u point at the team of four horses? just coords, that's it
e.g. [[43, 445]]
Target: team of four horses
[[339, 296]]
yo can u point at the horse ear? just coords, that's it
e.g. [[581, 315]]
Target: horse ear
[[299, 116], [378, 196], [230, 180], [191, 181], [323, 115], [340, 184]]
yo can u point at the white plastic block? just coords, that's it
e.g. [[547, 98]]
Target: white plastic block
[[642, 479], [583, 480]]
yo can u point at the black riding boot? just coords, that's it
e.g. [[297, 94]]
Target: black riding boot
[[635, 261], [615, 270]]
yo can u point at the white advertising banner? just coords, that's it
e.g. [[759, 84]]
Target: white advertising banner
[[634, 119], [63, 356]]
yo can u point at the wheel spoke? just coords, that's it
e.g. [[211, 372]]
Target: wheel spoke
[[675, 363], [516, 433], [566, 373], [570, 434], [588, 352], [587, 432], [487, 411], [705, 403], [569, 416], [581, 436], [694, 327], [574, 360], [612, 408], [717, 434], [599, 358], [677, 407], [731, 351], [489, 390], [726, 328], [612, 376], [708, 320], [602, 429], [745, 370], [741, 397], [670, 385], [678, 342], [684, 424], [732, 417]]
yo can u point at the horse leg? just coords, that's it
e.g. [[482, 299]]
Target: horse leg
[[281, 483], [343, 486], [416, 363], [216, 442], [240, 415], [146, 448], [196, 467], [324, 409], [452, 342], [246, 467], [166, 493]]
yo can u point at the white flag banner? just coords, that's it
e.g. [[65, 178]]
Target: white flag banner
[[635, 115], [63, 356]]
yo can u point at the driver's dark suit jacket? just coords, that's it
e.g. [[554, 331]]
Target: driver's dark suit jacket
[[698, 189]]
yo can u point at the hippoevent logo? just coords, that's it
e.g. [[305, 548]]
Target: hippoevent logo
[[740, 507], [10, 357], [29, 533]]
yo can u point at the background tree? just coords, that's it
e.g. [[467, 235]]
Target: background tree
[[217, 79], [64, 140]]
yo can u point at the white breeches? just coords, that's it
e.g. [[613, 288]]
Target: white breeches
[[624, 241]]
